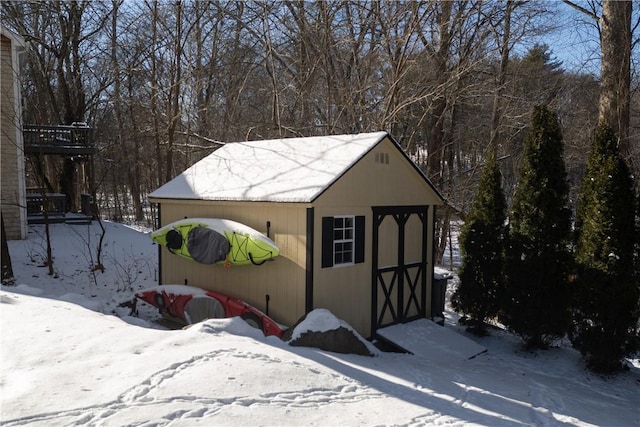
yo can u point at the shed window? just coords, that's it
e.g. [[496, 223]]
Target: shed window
[[342, 240]]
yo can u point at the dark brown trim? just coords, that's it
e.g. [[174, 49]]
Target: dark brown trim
[[159, 246], [327, 241], [308, 297], [359, 238]]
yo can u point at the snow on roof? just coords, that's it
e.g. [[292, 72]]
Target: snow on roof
[[279, 170]]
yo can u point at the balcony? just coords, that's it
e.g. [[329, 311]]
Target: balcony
[[51, 207], [73, 140]]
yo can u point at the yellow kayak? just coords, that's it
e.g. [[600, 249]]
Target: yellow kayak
[[216, 241]]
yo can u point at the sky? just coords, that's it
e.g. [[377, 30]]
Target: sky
[[571, 36], [575, 40]]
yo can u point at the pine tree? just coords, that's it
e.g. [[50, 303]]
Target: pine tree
[[536, 304], [482, 247], [605, 318]]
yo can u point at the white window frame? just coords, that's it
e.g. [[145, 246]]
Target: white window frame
[[339, 243]]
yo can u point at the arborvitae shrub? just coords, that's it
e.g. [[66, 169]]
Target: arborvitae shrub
[[605, 319], [482, 247], [538, 259]]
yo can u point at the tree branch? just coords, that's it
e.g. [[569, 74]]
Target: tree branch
[[581, 9]]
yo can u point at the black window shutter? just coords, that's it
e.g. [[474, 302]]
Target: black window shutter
[[327, 241], [359, 243]]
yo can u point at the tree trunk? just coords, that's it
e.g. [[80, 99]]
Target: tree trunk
[[496, 113], [7, 269], [68, 184], [615, 79], [174, 95], [153, 102], [436, 132], [130, 162]]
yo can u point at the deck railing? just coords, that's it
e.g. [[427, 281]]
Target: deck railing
[[52, 203], [73, 139]]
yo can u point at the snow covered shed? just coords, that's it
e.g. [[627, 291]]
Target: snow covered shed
[[352, 214]]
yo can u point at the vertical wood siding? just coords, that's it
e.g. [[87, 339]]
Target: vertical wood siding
[[282, 279], [383, 177]]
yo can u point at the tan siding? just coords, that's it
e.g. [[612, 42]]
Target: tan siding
[[282, 279], [383, 177], [12, 199], [388, 246], [372, 183], [344, 290]]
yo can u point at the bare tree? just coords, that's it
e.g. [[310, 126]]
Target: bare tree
[[166, 83], [614, 27], [120, 135], [62, 38]]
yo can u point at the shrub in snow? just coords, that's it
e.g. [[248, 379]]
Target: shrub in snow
[[482, 246], [605, 321], [536, 304]]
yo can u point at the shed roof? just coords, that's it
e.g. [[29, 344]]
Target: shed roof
[[278, 170]]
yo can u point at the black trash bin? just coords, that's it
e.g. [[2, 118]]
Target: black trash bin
[[439, 295]]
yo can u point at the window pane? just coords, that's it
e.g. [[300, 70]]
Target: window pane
[[343, 235], [338, 257]]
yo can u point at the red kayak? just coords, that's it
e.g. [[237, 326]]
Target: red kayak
[[191, 305]]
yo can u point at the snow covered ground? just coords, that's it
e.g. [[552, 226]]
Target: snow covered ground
[[71, 356]]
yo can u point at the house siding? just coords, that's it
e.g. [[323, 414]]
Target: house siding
[[12, 191]]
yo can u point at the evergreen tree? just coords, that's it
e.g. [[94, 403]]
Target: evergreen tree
[[605, 318], [536, 304], [482, 246]]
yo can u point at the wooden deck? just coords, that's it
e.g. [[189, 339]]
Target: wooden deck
[[53, 204], [76, 139], [75, 218]]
